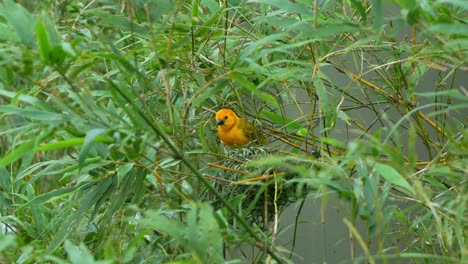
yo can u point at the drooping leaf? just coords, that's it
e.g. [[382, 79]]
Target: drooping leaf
[[393, 176]]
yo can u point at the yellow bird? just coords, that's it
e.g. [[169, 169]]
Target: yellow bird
[[235, 131]]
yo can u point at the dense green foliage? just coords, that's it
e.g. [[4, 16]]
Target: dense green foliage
[[108, 147]]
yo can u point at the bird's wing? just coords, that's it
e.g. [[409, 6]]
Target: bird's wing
[[251, 131]]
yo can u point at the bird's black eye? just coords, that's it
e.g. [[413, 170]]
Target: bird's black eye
[[226, 117]]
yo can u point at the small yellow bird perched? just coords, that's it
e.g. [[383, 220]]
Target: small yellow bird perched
[[235, 131]]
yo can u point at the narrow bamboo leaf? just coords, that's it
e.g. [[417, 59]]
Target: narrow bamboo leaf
[[54, 37], [195, 16], [207, 26], [60, 144], [48, 168], [33, 101], [96, 109], [197, 234], [322, 32], [266, 97], [43, 41], [91, 161], [123, 170], [332, 142], [17, 153], [378, 11], [31, 113], [327, 109], [5, 180], [121, 98], [358, 186], [92, 197], [257, 45], [214, 17], [282, 121], [452, 93], [121, 21], [106, 196], [391, 175], [72, 142], [119, 196], [289, 24], [88, 143], [55, 194]]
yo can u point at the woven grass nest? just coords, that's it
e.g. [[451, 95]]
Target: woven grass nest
[[252, 190]]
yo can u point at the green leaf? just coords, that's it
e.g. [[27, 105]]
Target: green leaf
[[343, 116], [379, 14], [54, 36], [282, 121], [43, 41], [332, 29], [79, 254], [62, 144], [328, 109], [446, 28], [123, 170], [31, 100], [56, 194], [452, 93], [17, 153], [20, 20], [266, 97], [5, 180], [88, 143], [32, 113], [200, 232], [91, 198], [249, 51], [121, 97], [391, 175], [7, 34], [332, 142]]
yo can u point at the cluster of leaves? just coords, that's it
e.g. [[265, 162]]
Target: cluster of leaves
[[106, 129]]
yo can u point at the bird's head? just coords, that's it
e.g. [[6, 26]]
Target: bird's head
[[226, 118]]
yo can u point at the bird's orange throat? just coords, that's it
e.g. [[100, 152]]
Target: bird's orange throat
[[232, 136]]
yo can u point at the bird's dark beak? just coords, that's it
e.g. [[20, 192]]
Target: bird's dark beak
[[219, 122]]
